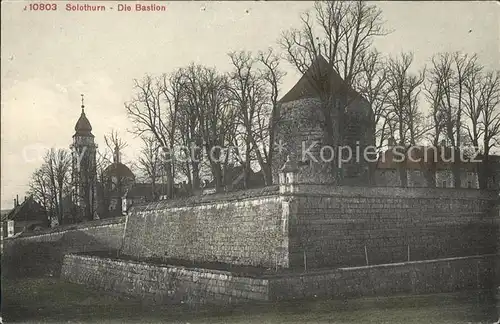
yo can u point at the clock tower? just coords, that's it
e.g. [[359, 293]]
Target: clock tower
[[84, 175]]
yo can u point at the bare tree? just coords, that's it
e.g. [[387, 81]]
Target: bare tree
[[254, 84], [103, 160], [490, 118], [402, 98], [154, 110], [208, 96], [473, 105], [451, 74], [433, 90], [149, 161], [464, 66], [405, 118], [372, 85], [51, 182], [115, 144], [39, 189], [248, 94], [273, 76], [57, 164], [189, 139]]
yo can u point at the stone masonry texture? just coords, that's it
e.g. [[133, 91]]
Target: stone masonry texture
[[352, 226], [169, 284], [317, 226], [418, 277], [301, 124], [163, 284], [237, 230]]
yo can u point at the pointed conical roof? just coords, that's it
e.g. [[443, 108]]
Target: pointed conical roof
[[318, 77], [83, 126]]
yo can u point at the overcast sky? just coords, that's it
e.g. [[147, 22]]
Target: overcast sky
[[50, 58]]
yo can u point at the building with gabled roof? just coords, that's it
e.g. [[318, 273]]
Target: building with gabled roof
[[28, 215], [233, 178]]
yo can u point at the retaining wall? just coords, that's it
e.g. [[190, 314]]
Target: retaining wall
[[169, 284], [41, 253], [108, 231], [163, 284], [417, 277]]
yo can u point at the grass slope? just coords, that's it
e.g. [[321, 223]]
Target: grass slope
[[50, 300]]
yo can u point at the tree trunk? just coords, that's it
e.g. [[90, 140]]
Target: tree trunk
[[170, 179], [61, 208], [196, 177], [268, 174], [217, 174]]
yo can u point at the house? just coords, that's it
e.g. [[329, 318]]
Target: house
[[141, 193], [234, 179], [424, 166], [119, 183], [493, 171], [3, 225], [26, 216]]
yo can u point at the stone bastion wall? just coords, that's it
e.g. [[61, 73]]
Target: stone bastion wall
[[316, 226], [238, 228], [352, 226], [299, 226]]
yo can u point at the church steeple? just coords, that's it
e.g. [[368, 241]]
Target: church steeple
[[83, 127], [84, 174]]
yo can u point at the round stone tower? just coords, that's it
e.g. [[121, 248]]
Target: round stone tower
[[301, 134]]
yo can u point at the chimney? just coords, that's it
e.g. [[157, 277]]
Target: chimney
[[15, 203], [25, 198], [17, 200]]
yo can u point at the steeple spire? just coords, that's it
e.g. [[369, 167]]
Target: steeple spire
[[116, 157], [83, 126]]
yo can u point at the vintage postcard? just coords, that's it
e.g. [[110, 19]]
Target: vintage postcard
[[250, 162]]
